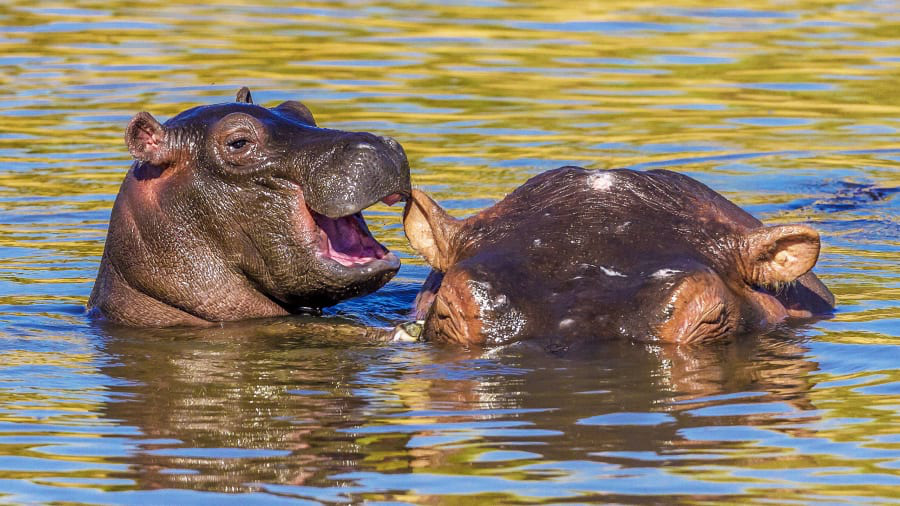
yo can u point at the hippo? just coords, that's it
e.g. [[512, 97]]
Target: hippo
[[578, 255], [235, 211]]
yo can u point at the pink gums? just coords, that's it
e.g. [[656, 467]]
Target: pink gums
[[347, 240]]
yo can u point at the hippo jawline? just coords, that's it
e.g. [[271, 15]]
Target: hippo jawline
[[347, 241]]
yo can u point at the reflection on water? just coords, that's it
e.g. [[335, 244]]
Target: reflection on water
[[285, 412], [788, 109]]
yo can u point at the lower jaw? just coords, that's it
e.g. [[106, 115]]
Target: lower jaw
[[370, 265], [352, 261], [799, 313], [777, 308], [340, 284], [771, 310]]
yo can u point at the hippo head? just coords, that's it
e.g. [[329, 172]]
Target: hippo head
[[576, 254], [235, 211]]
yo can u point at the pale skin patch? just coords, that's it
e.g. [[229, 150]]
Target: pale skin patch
[[601, 181], [498, 318], [612, 272], [664, 273]]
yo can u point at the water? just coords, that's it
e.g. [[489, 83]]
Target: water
[[788, 108]]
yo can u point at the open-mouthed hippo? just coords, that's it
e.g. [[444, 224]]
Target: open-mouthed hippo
[[575, 254], [235, 211]]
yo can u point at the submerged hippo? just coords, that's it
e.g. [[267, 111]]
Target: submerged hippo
[[234, 211], [574, 255]]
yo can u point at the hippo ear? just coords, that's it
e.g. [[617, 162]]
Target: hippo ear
[[779, 254], [146, 139], [430, 229], [243, 96], [297, 111]]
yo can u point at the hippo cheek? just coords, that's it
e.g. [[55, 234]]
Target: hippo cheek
[[699, 308]]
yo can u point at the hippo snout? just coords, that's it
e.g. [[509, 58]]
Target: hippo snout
[[360, 171]]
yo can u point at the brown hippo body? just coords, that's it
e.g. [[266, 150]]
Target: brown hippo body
[[575, 254], [235, 211]]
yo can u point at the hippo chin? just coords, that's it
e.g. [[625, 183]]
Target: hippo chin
[[575, 255], [235, 211]]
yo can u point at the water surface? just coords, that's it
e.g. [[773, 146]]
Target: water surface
[[788, 108]]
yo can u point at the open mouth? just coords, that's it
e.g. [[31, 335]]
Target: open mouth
[[347, 240]]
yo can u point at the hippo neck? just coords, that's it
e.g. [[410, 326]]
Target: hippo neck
[[119, 302], [199, 290]]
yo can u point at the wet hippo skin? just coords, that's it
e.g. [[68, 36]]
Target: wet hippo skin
[[235, 211], [575, 255]]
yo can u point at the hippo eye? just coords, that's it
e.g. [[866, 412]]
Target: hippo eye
[[237, 144]]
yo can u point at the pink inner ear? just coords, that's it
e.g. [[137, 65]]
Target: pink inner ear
[[148, 139], [780, 254], [793, 255], [149, 146], [145, 138]]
